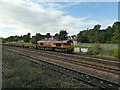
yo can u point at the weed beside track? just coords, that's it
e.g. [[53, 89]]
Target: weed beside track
[[21, 73]]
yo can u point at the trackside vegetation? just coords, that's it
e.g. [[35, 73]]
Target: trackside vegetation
[[97, 50], [21, 73], [97, 35]]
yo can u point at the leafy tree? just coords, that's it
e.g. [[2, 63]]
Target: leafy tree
[[56, 36], [36, 38], [3, 40], [116, 27], [48, 35], [101, 36], [63, 35], [97, 27], [11, 39], [27, 38], [82, 37], [95, 35], [91, 35], [109, 34], [114, 39]]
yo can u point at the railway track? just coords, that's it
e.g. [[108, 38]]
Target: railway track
[[88, 58], [84, 57], [4, 73], [92, 80], [74, 61]]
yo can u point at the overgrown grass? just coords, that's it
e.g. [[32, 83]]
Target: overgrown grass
[[113, 56], [98, 47], [25, 74]]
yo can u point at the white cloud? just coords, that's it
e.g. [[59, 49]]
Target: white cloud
[[23, 16]]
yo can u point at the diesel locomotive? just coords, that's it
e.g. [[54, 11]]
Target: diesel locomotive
[[65, 46]]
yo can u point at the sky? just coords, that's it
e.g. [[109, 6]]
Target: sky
[[22, 16]]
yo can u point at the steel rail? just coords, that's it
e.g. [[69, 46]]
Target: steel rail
[[69, 60], [84, 57], [90, 79]]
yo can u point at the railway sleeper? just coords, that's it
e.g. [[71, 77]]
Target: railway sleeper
[[97, 81]]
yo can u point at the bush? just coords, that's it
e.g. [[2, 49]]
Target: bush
[[94, 50], [116, 53], [98, 47]]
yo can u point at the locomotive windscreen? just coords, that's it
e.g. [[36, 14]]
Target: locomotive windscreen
[[69, 42]]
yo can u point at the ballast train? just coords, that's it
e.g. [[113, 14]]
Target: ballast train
[[58, 46]]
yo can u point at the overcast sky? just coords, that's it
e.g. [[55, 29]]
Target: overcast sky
[[22, 16]]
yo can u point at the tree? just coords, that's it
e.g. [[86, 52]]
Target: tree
[[11, 39], [82, 37], [56, 36], [36, 38], [48, 35], [63, 35], [109, 34], [101, 36], [96, 32], [3, 40], [97, 27], [27, 38], [116, 33], [94, 35]]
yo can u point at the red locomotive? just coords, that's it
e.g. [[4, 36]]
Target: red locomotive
[[60, 46]]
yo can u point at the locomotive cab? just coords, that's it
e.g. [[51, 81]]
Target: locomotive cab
[[70, 42]]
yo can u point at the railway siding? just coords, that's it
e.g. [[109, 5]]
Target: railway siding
[[107, 73], [102, 83], [90, 62], [30, 75]]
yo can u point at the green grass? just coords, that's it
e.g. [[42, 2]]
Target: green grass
[[25, 74], [114, 56], [107, 56], [97, 47]]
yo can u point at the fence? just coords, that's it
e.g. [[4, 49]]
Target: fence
[[93, 44]]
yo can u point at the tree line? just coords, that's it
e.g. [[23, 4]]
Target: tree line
[[62, 35], [96, 35]]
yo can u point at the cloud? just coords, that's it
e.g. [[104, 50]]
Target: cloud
[[67, 5], [22, 16]]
